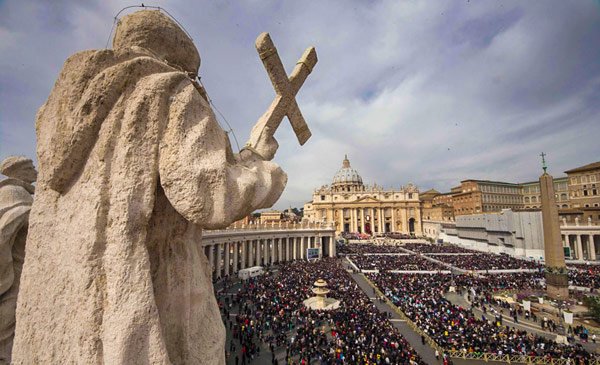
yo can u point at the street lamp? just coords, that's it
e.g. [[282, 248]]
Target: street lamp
[[560, 330]]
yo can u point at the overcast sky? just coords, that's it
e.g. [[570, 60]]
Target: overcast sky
[[428, 92]]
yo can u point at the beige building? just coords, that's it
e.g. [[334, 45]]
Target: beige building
[[584, 186], [480, 196], [270, 216], [357, 208], [436, 210], [532, 194]]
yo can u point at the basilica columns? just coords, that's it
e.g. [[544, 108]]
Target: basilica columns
[[591, 248], [362, 220]]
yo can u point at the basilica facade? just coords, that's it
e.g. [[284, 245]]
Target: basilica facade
[[358, 208]]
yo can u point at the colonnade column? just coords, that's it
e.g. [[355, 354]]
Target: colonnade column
[[579, 248], [218, 260], [244, 254], [591, 248], [295, 248], [226, 261], [332, 248], [319, 244], [380, 223], [236, 249], [266, 251], [279, 250], [251, 256], [257, 253], [393, 220], [273, 244], [211, 258]]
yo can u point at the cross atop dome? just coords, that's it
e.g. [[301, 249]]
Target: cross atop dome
[[346, 162]]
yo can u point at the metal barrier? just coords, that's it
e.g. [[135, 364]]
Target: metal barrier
[[485, 356]]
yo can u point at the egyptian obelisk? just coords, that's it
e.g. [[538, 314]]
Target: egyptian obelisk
[[557, 285]]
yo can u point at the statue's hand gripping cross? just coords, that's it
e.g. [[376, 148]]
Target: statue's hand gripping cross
[[261, 140]]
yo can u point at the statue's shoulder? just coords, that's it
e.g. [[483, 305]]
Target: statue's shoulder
[[10, 181]]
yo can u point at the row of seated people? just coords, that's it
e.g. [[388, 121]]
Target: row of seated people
[[421, 298], [436, 248], [361, 248], [396, 262], [398, 236], [487, 261], [592, 268], [354, 333]]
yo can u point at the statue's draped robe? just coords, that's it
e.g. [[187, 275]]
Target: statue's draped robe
[[15, 204], [132, 164]]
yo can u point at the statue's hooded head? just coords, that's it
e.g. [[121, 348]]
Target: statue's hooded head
[[19, 168], [156, 32]]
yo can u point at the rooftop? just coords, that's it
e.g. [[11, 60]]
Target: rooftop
[[491, 182], [588, 167]]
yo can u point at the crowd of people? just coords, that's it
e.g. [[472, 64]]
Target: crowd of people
[[585, 279], [362, 248], [421, 298], [396, 262], [436, 248], [486, 261], [591, 268], [272, 312]]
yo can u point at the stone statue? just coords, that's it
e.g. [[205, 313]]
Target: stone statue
[[15, 204], [132, 167]]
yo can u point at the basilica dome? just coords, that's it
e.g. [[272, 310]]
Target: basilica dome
[[347, 175]]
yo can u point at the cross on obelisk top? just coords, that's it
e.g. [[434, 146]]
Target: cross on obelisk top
[[544, 166]]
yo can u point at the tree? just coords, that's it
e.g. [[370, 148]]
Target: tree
[[593, 304]]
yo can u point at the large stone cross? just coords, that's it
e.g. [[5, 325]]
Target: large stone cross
[[284, 104]]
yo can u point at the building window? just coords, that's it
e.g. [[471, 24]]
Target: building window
[[409, 195], [585, 193], [563, 196], [322, 197]]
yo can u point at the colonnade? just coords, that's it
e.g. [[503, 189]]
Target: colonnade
[[227, 254], [584, 246]]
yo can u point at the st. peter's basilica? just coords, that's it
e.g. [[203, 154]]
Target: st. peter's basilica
[[355, 207]]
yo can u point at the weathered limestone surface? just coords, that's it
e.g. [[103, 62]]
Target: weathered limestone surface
[[133, 166], [15, 204], [557, 285]]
